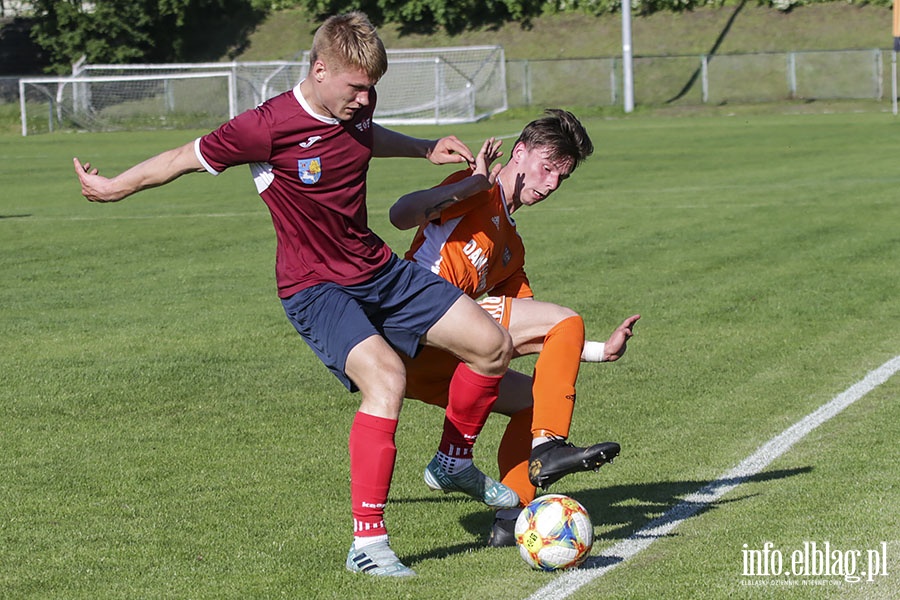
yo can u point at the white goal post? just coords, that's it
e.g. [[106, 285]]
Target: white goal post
[[426, 86], [124, 102], [435, 86], [442, 85]]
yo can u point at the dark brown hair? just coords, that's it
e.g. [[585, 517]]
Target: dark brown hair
[[561, 133]]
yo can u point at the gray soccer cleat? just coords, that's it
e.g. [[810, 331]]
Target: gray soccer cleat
[[377, 559], [472, 482]]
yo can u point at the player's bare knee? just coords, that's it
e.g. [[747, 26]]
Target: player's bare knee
[[497, 352], [378, 373], [383, 389], [390, 377], [561, 313]]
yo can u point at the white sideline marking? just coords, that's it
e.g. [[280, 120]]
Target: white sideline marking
[[111, 217], [599, 565]]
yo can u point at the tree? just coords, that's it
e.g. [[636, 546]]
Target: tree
[[129, 31], [425, 16]]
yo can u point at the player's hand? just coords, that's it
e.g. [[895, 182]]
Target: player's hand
[[490, 151], [449, 150], [617, 343], [94, 187]]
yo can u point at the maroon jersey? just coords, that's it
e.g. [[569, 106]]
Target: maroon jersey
[[310, 171]]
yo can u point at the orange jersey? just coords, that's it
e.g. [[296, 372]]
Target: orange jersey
[[474, 245]]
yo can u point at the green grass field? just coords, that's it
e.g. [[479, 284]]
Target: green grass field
[[164, 433]]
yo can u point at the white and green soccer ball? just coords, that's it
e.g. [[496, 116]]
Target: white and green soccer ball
[[554, 532]]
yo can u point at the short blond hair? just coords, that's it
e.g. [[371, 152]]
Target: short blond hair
[[350, 41]]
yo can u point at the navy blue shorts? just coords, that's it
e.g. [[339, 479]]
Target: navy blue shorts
[[400, 303]]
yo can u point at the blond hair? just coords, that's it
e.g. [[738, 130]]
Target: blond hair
[[350, 41]]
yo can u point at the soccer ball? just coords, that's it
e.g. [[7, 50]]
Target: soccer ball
[[554, 532]]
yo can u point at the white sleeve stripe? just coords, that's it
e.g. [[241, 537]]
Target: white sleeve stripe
[[263, 175], [202, 160], [429, 254]]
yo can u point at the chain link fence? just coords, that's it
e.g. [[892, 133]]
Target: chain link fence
[[9, 89], [688, 80], [704, 79]]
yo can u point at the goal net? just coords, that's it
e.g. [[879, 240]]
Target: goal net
[[126, 102], [252, 82], [441, 85], [432, 86]]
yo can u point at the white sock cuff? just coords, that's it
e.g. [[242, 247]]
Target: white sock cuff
[[363, 541]]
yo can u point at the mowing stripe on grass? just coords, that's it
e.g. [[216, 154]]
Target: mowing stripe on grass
[[596, 566], [154, 217]]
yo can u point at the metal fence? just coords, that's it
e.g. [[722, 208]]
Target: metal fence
[[9, 89], [704, 79], [689, 80]]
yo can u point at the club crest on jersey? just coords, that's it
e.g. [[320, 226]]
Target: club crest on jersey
[[309, 170]]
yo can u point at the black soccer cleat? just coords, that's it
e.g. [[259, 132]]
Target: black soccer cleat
[[503, 533], [553, 460]]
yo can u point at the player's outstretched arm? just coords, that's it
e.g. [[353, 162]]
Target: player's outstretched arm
[[616, 345], [392, 144], [419, 207], [448, 150], [152, 172]]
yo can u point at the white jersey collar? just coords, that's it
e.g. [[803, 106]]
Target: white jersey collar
[[509, 217], [302, 100]]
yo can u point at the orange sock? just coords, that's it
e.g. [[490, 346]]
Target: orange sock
[[555, 373], [513, 455]]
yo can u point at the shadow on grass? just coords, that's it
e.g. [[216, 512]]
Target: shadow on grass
[[711, 54], [631, 507], [626, 508]]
